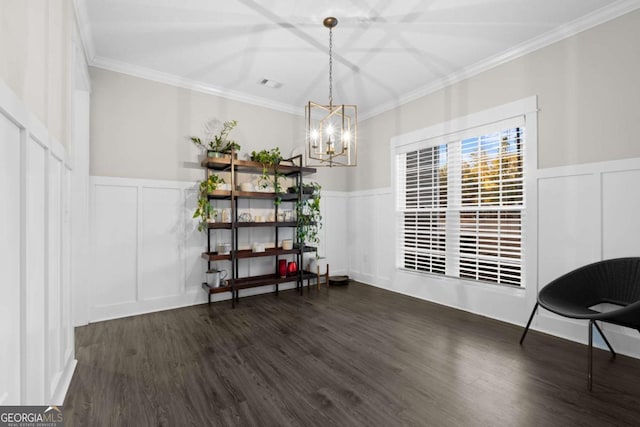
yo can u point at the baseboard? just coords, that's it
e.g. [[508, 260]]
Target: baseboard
[[194, 297], [64, 383]]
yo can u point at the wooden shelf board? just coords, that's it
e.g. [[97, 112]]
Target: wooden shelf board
[[266, 224], [219, 194], [224, 164], [219, 225], [267, 279], [257, 281], [248, 253], [213, 256], [217, 163], [211, 290]]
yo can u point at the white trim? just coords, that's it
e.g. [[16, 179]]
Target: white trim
[[83, 24], [136, 182], [64, 381], [56, 378], [480, 118], [526, 109], [24, 135], [336, 194], [194, 85], [620, 165], [598, 17]]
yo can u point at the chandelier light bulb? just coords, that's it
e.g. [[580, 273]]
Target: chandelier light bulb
[[330, 131]]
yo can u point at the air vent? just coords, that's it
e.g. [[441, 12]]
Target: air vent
[[270, 83]]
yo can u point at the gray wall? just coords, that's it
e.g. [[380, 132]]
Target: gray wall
[[586, 85], [140, 129], [588, 95]]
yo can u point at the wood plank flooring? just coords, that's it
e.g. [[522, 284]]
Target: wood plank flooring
[[351, 356]]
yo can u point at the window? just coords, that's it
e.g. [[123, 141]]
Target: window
[[460, 200]]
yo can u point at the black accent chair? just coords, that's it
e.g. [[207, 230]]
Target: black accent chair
[[614, 281]]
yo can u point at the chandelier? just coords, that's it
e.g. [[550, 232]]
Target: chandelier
[[331, 130]]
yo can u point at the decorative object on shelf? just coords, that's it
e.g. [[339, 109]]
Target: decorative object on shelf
[[245, 217], [309, 219], [246, 186], [223, 248], [205, 211], [269, 159], [282, 268], [226, 215], [287, 244], [306, 189], [214, 277], [331, 130], [218, 144], [292, 267], [257, 247]]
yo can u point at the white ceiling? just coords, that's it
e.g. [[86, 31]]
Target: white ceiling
[[385, 52]]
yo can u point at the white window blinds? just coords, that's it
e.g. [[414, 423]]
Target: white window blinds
[[460, 199]]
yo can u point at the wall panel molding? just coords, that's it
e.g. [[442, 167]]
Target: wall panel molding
[[585, 213], [146, 247], [40, 347]]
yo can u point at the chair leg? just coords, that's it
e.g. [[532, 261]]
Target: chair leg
[[604, 338], [590, 356], [524, 334]]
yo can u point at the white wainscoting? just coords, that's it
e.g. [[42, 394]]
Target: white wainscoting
[[584, 213], [587, 213], [147, 249], [37, 349]]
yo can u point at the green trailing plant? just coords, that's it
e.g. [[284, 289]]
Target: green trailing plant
[[270, 159], [309, 218], [205, 210], [218, 143], [267, 158]]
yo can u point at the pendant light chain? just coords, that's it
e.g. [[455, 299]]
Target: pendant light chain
[[330, 68]]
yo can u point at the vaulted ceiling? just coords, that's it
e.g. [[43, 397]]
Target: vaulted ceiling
[[385, 52]]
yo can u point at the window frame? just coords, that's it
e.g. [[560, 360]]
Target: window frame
[[523, 111]]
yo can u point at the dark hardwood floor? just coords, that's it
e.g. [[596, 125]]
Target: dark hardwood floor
[[352, 356]]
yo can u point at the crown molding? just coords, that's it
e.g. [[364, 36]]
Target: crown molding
[[600, 16], [597, 17], [83, 25], [173, 80]]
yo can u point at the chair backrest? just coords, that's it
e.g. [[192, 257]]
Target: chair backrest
[[620, 280], [613, 280]]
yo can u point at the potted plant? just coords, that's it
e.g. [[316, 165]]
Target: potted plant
[[205, 211], [309, 188], [309, 219], [218, 144], [269, 159]]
